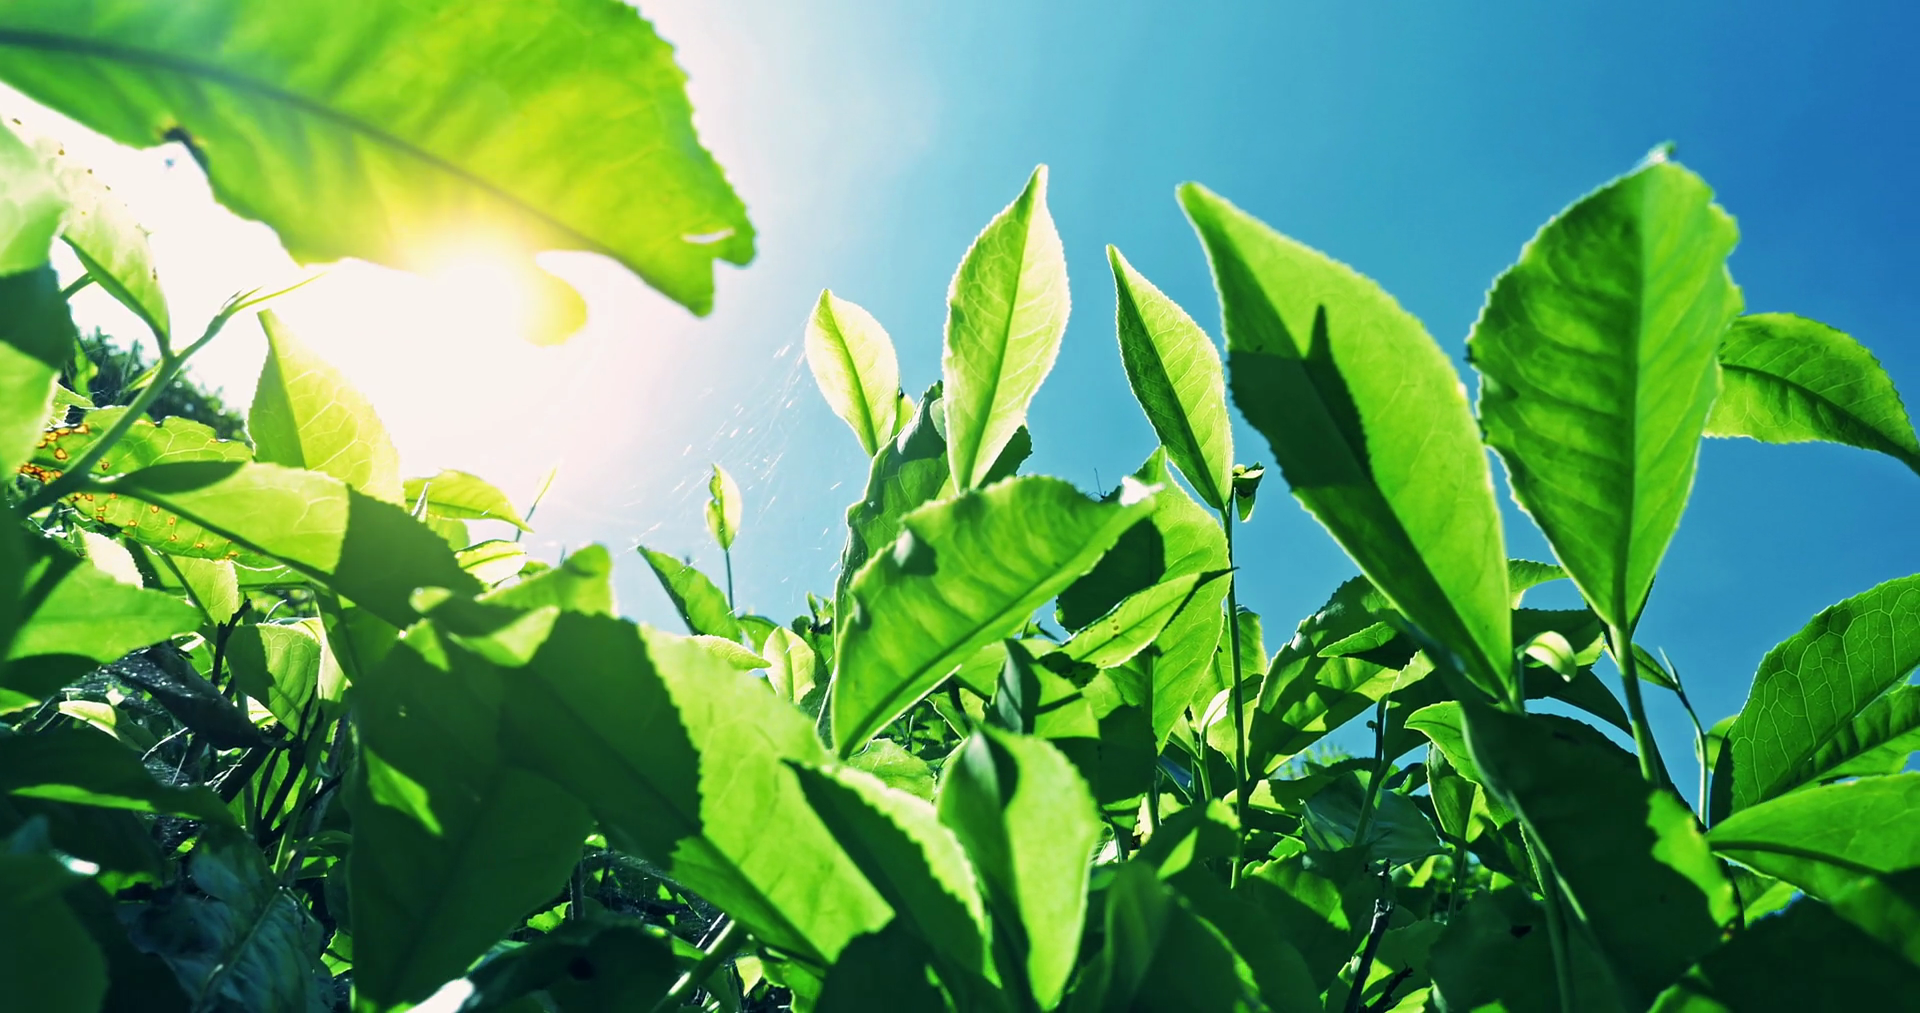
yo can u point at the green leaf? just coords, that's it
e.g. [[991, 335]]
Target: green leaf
[[1820, 839], [284, 666], [917, 864], [906, 472], [456, 495], [1131, 626], [368, 551], [964, 573], [580, 965], [452, 844], [1787, 379], [1306, 692], [48, 960], [212, 584], [896, 767], [1805, 959], [75, 608], [237, 938], [83, 767], [36, 330], [702, 606], [1596, 356], [1320, 901], [1158, 954], [1029, 824], [1006, 312], [581, 138], [1524, 575], [1815, 694], [1398, 832], [1632, 857], [171, 441], [33, 205], [792, 666], [1175, 373], [1886, 908], [1370, 426], [880, 970], [1496, 954], [739, 832], [493, 560], [853, 362], [723, 508], [111, 246], [306, 415]]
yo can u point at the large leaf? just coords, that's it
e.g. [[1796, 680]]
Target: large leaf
[[1028, 823], [234, 936], [1309, 690], [1175, 373], [702, 606], [452, 844], [683, 760], [1370, 426], [172, 440], [907, 471], [1805, 959], [966, 572], [84, 767], [306, 415], [560, 126], [1159, 954], [1821, 839], [916, 863], [36, 332], [1006, 312], [73, 607], [287, 667], [456, 495], [49, 962], [1815, 703], [1320, 902], [108, 242], [1787, 379], [853, 362], [367, 550], [1632, 858], [1496, 955], [33, 206], [1596, 356]]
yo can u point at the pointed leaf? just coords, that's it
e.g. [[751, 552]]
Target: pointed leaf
[[456, 495], [907, 471], [1370, 426], [306, 415], [723, 508], [1175, 373], [1132, 625], [382, 150], [1787, 379], [110, 244], [702, 606], [632, 723], [1821, 839], [36, 332], [791, 664], [75, 608], [84, 767], [1805, 959], [853, 362], [966, 572], [1006, 312], [1028, 823], [1596, 356]]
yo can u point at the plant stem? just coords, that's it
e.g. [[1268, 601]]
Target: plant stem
[[1382, 911], [1549, 881], [1651, 767], [719, 951], [1379, 773], [77, 284], [1242, 787], [727, 554]]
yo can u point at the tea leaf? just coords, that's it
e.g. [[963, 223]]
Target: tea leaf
[[1175, 373], [456, 495], [306, 415], [723, 508], [1006, 312], [1820, 839], [1368, 422], [1596, 357], [853, 362], [1787, 379], [702, 606], [1804, 959]]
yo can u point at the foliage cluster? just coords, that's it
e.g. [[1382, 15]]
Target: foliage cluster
[[281, 733]]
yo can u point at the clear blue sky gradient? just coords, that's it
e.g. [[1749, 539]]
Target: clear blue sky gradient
[[1421, 142]]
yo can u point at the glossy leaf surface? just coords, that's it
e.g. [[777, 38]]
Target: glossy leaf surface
[[965, 573], [1596, 356], [1821, 839], [1006, 312], [1175, 373], [1368, 422]]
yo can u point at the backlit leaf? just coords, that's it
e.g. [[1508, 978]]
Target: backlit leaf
[[109, 243], [1804, 959], [84, 767], [853, 362], [456, 495], [1786, 379], [1369, 423], [723, 508], [964, 573], [75, 608], [1596, 356], [35, 333], [306, 415], [1820, 839], [1175, 373], [1006, 312], [702, 606]]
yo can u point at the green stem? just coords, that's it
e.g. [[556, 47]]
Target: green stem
[[719, 952], [1379, 773], [727, 554], [1651, 767], [74, 288], [1549, 880], [1242, 787]]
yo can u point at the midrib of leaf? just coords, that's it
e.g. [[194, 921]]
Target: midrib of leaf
[[859, 379], [211, 987], [1788, 850], [93, 48], [1180, 416], [1872, 433], [694, 825]]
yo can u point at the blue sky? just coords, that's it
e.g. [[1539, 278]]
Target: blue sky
[[1422, 143]]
